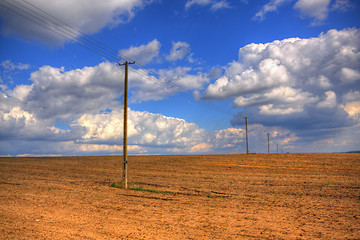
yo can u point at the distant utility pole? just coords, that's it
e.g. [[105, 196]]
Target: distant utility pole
[[268, 143], [277, 148], [124, 182], [247, 141]]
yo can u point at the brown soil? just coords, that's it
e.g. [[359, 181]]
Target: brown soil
[[260, 196]]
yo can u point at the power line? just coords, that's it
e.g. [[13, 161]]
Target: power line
[[77, 31], [38, 16], [83, 39], [55, 28], [94, 41]]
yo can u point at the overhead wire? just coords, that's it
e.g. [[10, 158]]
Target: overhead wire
[[77, 32], [105, 48], [56, 25], [82, 39], [57, 29]]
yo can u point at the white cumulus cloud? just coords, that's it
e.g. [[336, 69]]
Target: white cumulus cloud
[[293, 81], [142, 54], [57, 93], [180, 77], [325, 61], [316, 9], [269, 73], [288, 99], [178, 51], [144, 129]]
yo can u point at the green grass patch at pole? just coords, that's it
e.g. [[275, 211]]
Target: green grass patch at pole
[[149, 190]]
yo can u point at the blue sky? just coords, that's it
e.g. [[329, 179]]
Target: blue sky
[[291, 66]]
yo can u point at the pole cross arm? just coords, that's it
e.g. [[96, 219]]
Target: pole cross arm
[[126, 62]]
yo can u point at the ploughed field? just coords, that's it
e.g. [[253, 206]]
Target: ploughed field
[[256, 196]]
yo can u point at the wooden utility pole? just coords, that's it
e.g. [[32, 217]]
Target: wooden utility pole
[[268, 143], [124, 182], [247, 141], [277, 148]]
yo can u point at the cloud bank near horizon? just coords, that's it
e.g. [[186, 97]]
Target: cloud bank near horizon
[[305, 92]]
